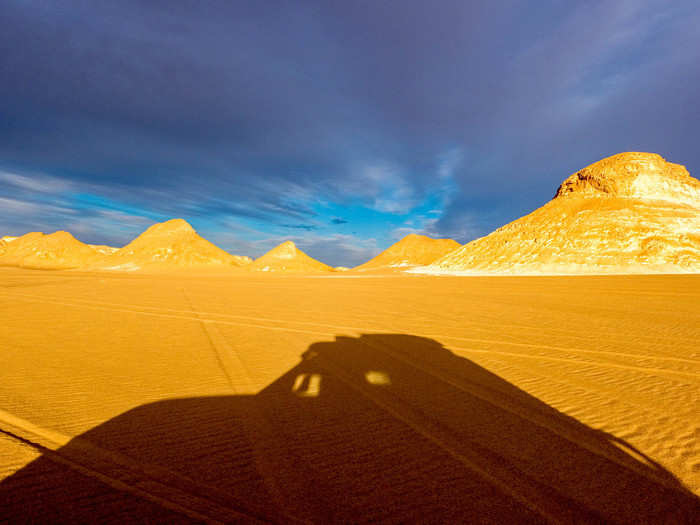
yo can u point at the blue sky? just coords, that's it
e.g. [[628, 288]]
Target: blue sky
[[340, 125]]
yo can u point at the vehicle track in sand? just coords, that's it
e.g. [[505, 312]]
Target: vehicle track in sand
[[474, 456], [563, 363], [550, 505], [492, 323], [153, 483], [657, 340], [198, 318], [545, 418]]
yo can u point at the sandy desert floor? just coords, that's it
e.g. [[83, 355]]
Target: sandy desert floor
[[248, 398]]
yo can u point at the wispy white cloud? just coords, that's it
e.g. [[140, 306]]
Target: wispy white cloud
[[35, 183], [30, 209]]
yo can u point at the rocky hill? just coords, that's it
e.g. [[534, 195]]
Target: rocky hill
[[413, 250], [59, 250], [289, 259], [629, 213], [170, 244]]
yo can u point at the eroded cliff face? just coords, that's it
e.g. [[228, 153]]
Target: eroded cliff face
[[644, 176], [629, 213]]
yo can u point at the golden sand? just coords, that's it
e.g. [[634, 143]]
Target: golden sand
[[341, 398]]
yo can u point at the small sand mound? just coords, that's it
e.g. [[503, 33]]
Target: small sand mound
[[289, 259]]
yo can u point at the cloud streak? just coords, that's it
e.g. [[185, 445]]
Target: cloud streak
[[283, 117]]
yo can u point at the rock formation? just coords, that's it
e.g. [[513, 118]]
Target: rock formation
[[629, 213], [103, 249], [170, 244], [411, 251], [288, 258], [59, 250]]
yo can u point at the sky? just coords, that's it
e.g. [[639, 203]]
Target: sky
[[340, 125]]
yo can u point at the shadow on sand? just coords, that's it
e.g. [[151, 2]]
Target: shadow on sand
[[390, 428]]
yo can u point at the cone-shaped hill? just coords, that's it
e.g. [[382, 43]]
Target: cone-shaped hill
[[59, 250], [629, 213], [413, 250], [170, 244], [288, 258]]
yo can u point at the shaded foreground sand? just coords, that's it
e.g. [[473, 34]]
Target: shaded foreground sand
[[336, 399]]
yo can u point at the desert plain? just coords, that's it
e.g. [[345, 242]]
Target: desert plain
[[223, 397]]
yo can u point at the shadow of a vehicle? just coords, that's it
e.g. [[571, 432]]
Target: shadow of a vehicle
[[388, 428]]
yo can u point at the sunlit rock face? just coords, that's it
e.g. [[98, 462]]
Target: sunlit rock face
[[288, 258], [643, 176], [173, 243], [413, 250], [58, 250], [629, 213]]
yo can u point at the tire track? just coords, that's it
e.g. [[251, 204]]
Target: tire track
[[180, 317], [599, 391], [493, 469], [646, 370], [199, 317], [150, 482], [229, 360], [538, 417], [347, 327], [258, 427]]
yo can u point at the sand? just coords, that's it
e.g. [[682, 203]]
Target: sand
[[339, 398]]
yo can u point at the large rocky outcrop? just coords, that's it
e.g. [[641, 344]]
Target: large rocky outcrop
[[629, 213]]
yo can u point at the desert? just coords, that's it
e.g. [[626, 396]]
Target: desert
[[354, 262], [175, 382], [284, 398]]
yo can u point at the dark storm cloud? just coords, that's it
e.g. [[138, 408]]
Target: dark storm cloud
[[260, 110]]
